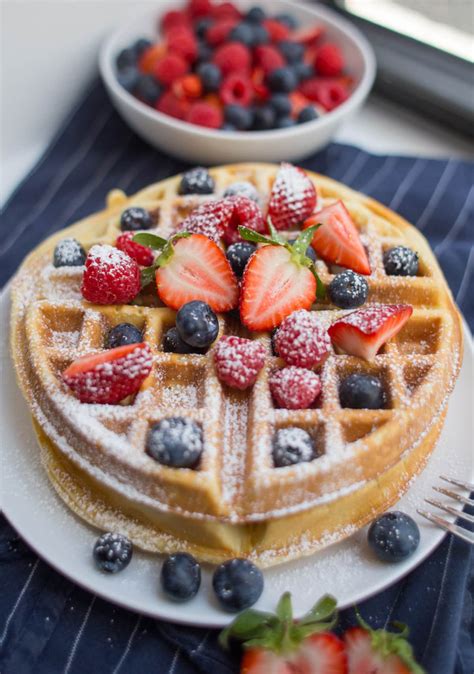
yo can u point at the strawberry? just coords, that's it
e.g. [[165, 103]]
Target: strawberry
[[317, 654], [278, 280], [110, 276], [337, 240], [293, 197], [110, 376], [362, 333], [191, 267]]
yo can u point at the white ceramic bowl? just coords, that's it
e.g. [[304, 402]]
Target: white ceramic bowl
[[207, 146]]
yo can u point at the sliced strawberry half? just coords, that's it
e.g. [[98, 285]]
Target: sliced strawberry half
[[362, 333], [337, 240], [195, 268], [110, 376], [292, 199]]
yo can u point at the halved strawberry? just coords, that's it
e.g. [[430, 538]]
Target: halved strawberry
[[362, 333], [110, 376], [293, 197], [195, 268], [338, 240]]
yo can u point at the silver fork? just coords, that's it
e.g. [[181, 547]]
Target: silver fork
[[453, 528]]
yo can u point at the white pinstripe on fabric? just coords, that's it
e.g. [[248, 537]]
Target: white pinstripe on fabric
[[201, 643], [374, 181], [464, 285], [128, 646], [389, 614], [351, 172], [174, 661], [63, 174], [458, 223], [18, 600], [77, 639], [407, 183], [440, 594], [437, 193]]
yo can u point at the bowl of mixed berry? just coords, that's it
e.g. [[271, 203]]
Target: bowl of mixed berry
[[213, 81]]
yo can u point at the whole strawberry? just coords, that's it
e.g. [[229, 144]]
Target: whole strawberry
[[301, 340], [292, 199], [238, 361], [110, 276]]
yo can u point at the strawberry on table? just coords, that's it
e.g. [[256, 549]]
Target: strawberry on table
[[111, 376], [337, 240], [362, 333], [292, 199]]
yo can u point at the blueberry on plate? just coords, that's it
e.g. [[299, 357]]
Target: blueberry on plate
[[180, 576], [284, 123], [242, 188], [69, 253], [123, 334], [112, 552], [394, 536], [292, 445], [362, 392], [238, 255], [175, 442], [210, 76], [260, 34], [241, 118], [238, 584], [196, 181], [263, 118], [126, 58], [172, 343], [282, 80], [255, 15], [348, 290], [281, 104], [400, 261], [292, 51], [147, 89], [307, 114], [243, 33], [310, 252], [128, 78], [135, 218], [197, 324], [302, 71]]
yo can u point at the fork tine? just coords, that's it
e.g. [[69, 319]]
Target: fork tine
[[464, 534], [452, 511], [458, 483], [456, 497]]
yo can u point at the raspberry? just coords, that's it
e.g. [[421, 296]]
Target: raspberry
[[169, 104], [182, 41], [245, 212], [199, 8], [329, 93], [268, 58], [110, 276], [141, 254], [173, 19], [188, 86], [301, 340], [238, 89], [150, 57], [238, 361], [277, 31], [169, 68], [225, 10], [294, 388], [205, 114], [210, 219], [218, 33], [232, 57], [329, 61]]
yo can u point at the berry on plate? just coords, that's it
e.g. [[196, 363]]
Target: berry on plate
[[237, 584], [292, 445], [141, 254], [329, 61], [210, 218], [400, 261], [294, 388], [348, 290], [301, 340], [123, 334], [362, 392], [363, 332], [110, 276], [238, 361], [282, 80], [135, 218], [110, 376], [210, 76], [292, 199], [337, 240], [393, 536], [247, 213], [176, 442], [172, 343], [112, 552], [205, 114], [180, 576], [232, 57], [196, 181], [243, 189], [197, 324], [239, 254], [69, 253]]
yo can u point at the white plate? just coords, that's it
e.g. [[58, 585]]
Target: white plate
[[347, 570]]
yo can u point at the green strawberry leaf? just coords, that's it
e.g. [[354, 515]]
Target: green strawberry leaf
[[250, 624], [322, 610], [253, 236], [150, 240], [275, 235], [320, 287], [284, 609], [304, 240], [146, 276]]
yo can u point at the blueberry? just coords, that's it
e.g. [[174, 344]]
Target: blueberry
[[348, 290], [282, 80], [180, 576], [147, 89], [202, 25], [400, 261], [175, 442], [394, 536], [172, 343], [123, 334], [238, 255], [135, 218], [243, 188], [204, 52], [287, 20], [197, 324], [362, 392], [307, 114], [273, 342], [260, 35], [238, 584], [292, 51], [112, 552], [227, 126], [210, 76], [310, 252], [126, 58], [128, 78], [240, 117], [263, 118], [243, 33], [141, 45], [284, 123], [292, 445], [281, 104], [302, 71], [69, 253], [196, 181], [255, 15]]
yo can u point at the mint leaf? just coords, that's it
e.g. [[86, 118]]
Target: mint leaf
[[150, 240]]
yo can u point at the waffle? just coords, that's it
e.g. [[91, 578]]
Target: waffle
[[236, 503]]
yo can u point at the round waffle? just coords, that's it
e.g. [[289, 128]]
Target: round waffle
[[237, 503]]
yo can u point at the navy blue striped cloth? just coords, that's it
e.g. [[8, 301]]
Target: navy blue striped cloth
[[48, 625]]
